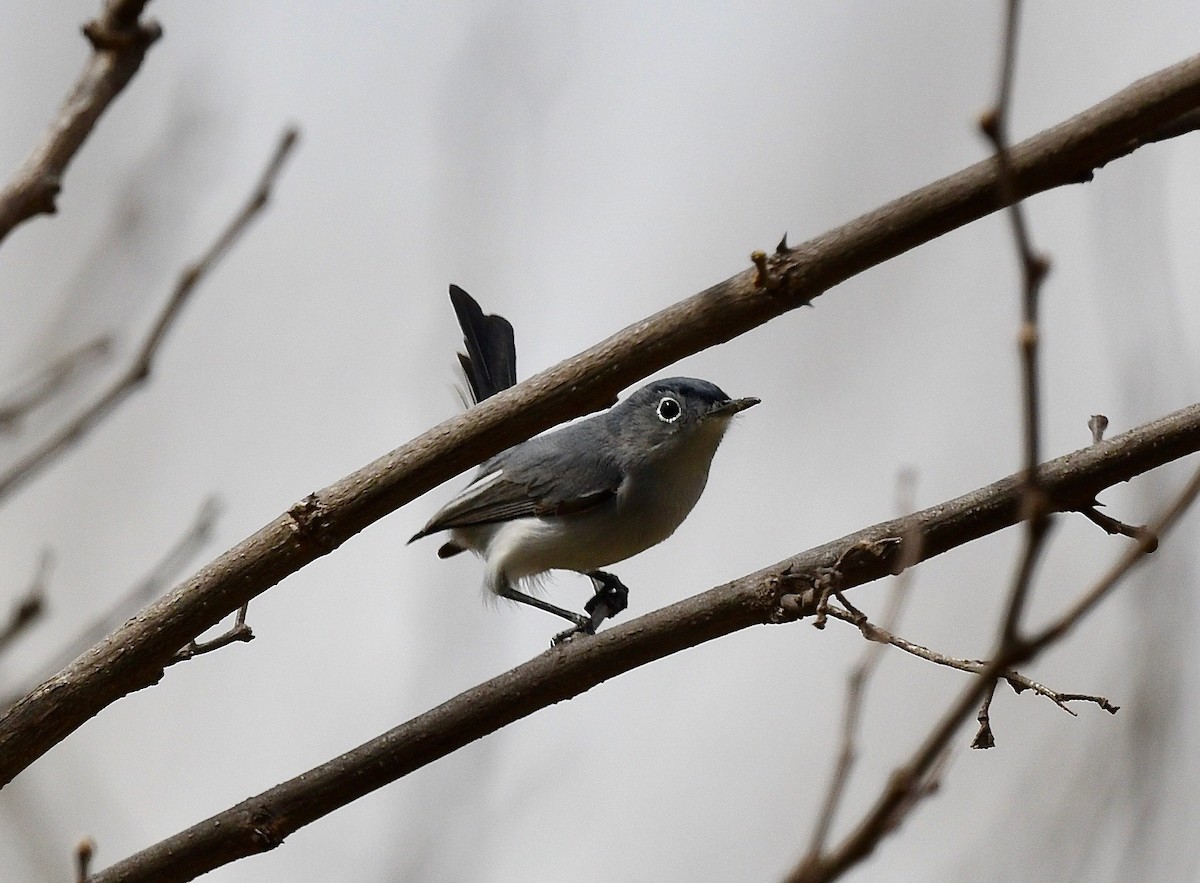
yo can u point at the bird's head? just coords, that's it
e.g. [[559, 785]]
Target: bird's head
[[672, 413]]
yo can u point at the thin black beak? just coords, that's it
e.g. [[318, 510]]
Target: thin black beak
[[731, 407]]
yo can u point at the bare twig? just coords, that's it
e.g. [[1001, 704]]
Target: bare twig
[[178, 557], [239, 631], [1019, 682], [119, 43], [1034, 268], [133, 656], [1098, 424], [139, 369], [1113, 527], [49, 382], [984, 736], [898, 795], [1144, 545], [904, 788], [910, 554], [31, 605]]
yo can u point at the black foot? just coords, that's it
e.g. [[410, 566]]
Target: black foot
[[611, 597]]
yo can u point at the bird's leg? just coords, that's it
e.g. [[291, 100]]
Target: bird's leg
[[512, 594]]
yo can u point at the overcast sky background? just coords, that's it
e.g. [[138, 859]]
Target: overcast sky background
[[578, 167]]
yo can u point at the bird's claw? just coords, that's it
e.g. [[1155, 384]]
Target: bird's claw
[[611, 597]]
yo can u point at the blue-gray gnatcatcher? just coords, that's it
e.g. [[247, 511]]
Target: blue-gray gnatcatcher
[[586, 495]]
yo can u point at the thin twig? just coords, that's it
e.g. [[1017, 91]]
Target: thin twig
[[139, 370], [239, 631], [898, 796], [50, 381], [1034, 268], [32, 604], [904, 788], [151, 586], [910, 554], [985, 737], [119, 44], [1144, 545], [1113, 527], [1019, 682]]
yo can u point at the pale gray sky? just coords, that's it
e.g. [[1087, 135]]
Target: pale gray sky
[[577, 167]]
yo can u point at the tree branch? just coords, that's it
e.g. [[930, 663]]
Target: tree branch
[[133, 656], [119, 44], [780, 593], [139, 370], [908, 782]]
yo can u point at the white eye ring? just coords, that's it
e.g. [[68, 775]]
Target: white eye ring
[[668, 410]]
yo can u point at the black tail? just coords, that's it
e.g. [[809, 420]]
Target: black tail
[[490, 362]]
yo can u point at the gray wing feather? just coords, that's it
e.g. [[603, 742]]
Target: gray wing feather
[[567, 471]]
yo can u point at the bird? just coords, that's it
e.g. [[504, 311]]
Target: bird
[[584, 496]]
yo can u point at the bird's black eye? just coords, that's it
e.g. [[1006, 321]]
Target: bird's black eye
[[668, 410]]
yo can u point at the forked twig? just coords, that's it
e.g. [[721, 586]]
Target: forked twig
[[139, 370], [239, 631], [1019, 682]]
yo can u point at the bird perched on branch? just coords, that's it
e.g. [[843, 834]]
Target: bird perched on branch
[[586, 495]]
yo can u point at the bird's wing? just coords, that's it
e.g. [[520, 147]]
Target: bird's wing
[[490, 363], [541, 477]]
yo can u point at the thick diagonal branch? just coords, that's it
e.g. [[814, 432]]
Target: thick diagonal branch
[[133, 657]]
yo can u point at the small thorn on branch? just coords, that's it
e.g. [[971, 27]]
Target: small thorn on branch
[[84, 851], [782, 247], [989, 124], [1098, 424]]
